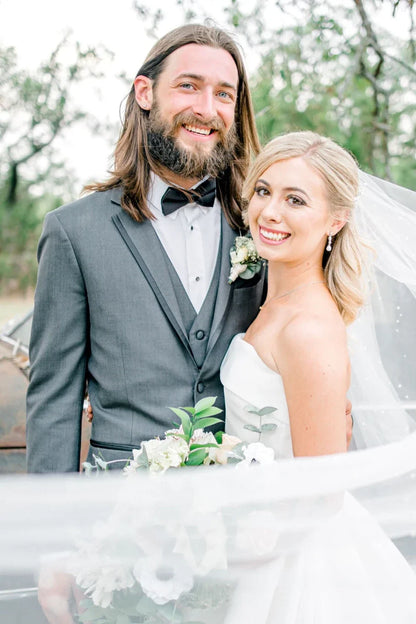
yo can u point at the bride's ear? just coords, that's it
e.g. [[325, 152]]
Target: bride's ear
[[338, 223]]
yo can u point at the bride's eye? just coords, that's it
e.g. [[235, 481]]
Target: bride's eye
[[261, 191], [294, 200]]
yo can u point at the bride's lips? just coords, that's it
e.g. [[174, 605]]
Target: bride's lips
[[272, 237]]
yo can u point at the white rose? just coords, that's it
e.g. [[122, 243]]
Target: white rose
[[164, 454], [227, 444]]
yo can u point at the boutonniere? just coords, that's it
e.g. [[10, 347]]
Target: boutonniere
[[245, 261]]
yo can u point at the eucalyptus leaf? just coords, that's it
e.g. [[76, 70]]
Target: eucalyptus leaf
[[252, 428], [269, 427], [251, 270], [267, 410], [123, 619]]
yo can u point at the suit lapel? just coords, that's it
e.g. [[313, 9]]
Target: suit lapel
[[224, 288], [144, 245]]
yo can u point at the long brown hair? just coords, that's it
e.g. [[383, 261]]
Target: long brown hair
[[132, 160]]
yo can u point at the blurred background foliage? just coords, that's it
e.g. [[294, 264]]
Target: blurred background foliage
[[313, 64]]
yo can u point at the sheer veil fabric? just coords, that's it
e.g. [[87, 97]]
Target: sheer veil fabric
[[189, 545]]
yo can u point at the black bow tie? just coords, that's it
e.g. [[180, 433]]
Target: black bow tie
[[173, 198]]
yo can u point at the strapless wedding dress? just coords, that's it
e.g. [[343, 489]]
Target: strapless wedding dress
[[342, 570]]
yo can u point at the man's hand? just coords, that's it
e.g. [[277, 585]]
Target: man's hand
[[348, 417]]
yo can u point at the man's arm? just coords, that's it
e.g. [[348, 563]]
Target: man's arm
[[57, 353]]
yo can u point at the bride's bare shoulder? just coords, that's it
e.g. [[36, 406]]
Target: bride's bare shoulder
[[312, 333]]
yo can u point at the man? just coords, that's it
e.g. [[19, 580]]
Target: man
[[133, 292]]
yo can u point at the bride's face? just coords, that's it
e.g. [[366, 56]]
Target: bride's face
[[289, 213]]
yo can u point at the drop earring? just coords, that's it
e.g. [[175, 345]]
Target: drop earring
[[329, 244]]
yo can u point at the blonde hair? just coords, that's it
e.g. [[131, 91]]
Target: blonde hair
[[343, 266]]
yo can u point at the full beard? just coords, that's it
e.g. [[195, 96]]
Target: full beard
[[189, 163]]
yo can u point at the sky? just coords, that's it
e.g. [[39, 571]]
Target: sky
[[34, 28]]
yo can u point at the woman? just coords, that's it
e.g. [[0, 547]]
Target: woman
[[301, 193]]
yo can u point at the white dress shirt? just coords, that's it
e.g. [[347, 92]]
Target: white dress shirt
[[190, 237]]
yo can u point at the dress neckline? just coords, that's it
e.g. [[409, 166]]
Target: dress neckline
[[253, 350]]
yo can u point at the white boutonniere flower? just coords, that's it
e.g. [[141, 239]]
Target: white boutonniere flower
[[245, 261]]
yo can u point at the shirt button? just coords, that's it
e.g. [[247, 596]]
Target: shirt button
[[200, 387], [200, 334], [197, 279]]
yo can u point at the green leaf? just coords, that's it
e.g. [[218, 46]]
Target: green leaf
[[251, 270], [177, 435], [198, 446], [196, 458], [211, 411], [184, 418], [252, 428], [218, 436], [91, 614], [264, 411], [123, 619], [269, 427], [207, 422], [267, 410], [204, 403]]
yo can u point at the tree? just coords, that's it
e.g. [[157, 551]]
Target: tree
[[333, 69], [35, 109]]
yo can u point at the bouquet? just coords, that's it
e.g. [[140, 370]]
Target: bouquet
[[156, 565], [190, 445]]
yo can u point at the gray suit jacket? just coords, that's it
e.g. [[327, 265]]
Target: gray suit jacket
[[106, 312]]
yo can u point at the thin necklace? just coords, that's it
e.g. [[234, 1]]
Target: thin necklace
[[289, 292]]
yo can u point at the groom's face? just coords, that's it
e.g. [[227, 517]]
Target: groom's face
[[191, 128]]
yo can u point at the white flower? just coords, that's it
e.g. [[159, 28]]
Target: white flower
[[256, 452], [162, 454], [202, 541], [203, 437], [163, 579], [100, 576], [257, 533], [239, 256], [223, 451], [243, 256]]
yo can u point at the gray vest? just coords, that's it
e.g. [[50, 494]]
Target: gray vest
[[198, 326]]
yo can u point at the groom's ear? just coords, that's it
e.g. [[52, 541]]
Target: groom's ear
[[143, 88]]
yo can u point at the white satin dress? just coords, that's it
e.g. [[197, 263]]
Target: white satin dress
[[344, 569]]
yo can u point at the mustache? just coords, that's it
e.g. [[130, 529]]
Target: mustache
[[185, 118]]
